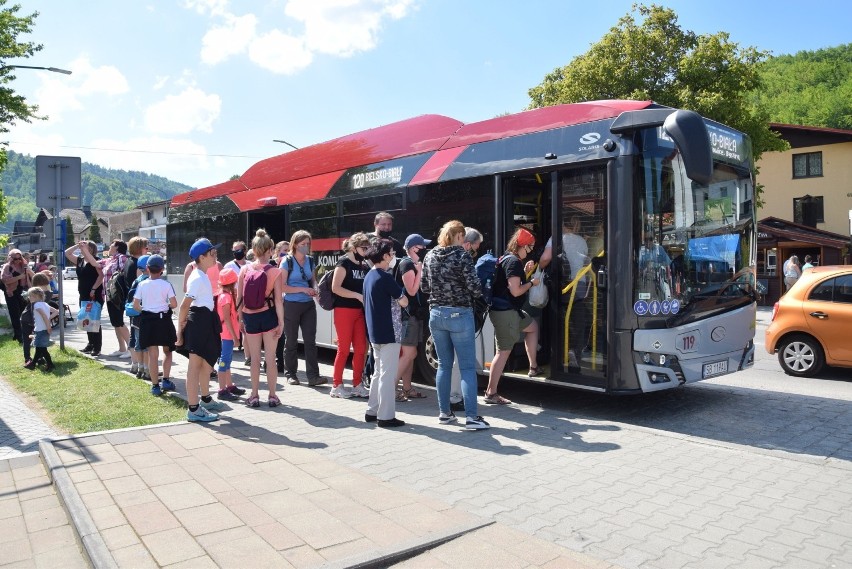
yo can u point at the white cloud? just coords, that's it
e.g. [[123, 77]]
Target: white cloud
[[344, 27], [221, 42], [280, 53], [212, 7], [58, 94], [160, 82], [339, 28], [192, 109]]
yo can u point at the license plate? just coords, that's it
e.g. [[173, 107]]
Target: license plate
[[715, 368]]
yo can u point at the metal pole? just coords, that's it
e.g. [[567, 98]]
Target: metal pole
[[57, 209]]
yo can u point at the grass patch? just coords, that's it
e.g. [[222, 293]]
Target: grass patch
[[82, 396]]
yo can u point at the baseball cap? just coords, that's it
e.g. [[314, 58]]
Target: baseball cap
[[525, 238], [227, 276], [142, 262], [416, 239], [200, 247], [155, 262]]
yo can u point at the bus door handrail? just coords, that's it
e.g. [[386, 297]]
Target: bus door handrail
[[572, 286]]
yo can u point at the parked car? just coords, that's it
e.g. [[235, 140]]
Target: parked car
[[811, 321], [69, 273]]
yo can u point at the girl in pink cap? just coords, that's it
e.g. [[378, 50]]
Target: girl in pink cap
[[226, 306]]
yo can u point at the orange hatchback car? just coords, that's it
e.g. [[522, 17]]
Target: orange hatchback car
[[812, 323]]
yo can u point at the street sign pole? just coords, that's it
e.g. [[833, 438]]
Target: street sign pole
[[57, 208], [49, 195]]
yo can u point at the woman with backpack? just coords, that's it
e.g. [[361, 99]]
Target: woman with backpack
[[347, 285], [450, 279], [262, 313], [300, 310], [508, 318]]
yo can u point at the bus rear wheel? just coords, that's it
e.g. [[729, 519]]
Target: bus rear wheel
[[426, 362]]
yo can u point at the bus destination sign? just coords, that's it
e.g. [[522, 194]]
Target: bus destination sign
[[726, 144], [380, 177]]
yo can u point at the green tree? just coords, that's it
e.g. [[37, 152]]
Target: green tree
[[809, 88], [656, 59], [13, 107], [69, 231], [95, 230]]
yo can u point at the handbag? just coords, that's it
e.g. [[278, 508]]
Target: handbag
[[89, 317], [538, 293]]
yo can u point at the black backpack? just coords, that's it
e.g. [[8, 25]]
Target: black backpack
[[325, 298], [117, 290]]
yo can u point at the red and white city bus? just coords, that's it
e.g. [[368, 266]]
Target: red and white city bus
[[663, 197]]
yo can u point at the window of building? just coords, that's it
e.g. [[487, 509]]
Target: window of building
[[808, 210], [149, 215], [807, 165]]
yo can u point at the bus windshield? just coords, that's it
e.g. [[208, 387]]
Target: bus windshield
[[694, 242]]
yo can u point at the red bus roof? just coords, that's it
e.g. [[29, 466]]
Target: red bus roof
[[427, 133]]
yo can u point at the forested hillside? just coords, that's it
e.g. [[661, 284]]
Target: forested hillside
[[811, 88], [103, 188]]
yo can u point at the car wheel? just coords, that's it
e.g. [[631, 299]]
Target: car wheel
[[801, 356]]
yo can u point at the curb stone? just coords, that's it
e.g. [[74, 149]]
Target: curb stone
[[93, 545]]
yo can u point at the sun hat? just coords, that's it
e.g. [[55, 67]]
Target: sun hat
[[156, 262], [142, 262], [525, 238], [227, 276]]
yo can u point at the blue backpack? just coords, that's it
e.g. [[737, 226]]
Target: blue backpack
[[486, 271]]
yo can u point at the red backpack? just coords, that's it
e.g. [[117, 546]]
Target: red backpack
[[254, 288]]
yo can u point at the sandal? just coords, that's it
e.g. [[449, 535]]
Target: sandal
[[495, 399], [534, 371], [400, 395], [413, 394], [274, 401]]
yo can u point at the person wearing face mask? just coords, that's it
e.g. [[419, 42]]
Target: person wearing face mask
[[511, 285], [347, 284], [472, 241], [408, 275], [17, 277], [383, 224], [300, 310], [238, 250]]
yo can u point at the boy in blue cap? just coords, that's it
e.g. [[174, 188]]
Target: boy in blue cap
[[198, 333], [155, 299]]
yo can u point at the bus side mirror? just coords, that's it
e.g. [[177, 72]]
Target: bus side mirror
[[690, 135]]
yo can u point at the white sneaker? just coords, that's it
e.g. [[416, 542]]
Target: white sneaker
[[361, 391], [134, 367], [115, 354], [124, 355], [341, 392]]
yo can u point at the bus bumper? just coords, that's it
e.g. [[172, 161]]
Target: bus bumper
[[667, 358]]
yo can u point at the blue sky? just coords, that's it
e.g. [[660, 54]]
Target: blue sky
[[196, 90]]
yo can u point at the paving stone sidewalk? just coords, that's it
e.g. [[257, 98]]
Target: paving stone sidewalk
[[20, 428], [35, 529], [231, 494]]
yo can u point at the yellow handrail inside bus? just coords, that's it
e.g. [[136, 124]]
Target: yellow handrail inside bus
[[572, 286]]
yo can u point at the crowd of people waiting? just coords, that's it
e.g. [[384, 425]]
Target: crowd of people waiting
[[385, 294]]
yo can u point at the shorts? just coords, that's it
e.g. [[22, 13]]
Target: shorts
[[260, 322], [156, 329], [227, 355], [412, 331], [116, 315], [42, 339], [508, 326]]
